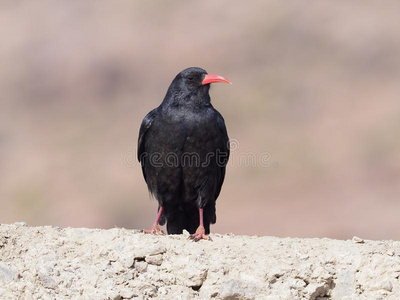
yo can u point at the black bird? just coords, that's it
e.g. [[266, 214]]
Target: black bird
[[183, 148]]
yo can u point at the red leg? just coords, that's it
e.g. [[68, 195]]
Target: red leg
[[200, 233], [155, 229]]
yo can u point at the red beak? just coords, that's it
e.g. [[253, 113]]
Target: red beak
[[214, 78]]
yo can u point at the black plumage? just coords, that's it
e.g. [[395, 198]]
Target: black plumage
[[183, 148]]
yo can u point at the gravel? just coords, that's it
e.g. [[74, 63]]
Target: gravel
[[78, 263]]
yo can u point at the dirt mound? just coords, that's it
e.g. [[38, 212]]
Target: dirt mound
[[77, 263]]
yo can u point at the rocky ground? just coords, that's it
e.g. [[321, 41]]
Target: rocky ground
[[77, 263]]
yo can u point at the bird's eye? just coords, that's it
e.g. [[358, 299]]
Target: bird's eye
[[190, 78]]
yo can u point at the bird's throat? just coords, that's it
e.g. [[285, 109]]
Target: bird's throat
[[190, 100]]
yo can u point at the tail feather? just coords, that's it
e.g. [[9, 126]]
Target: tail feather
[[180, 218], [175, 218]]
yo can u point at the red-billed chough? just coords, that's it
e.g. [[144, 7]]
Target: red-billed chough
[[183, 148]]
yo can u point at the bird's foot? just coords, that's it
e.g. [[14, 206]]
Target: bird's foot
[[200, 234], [154, 230]]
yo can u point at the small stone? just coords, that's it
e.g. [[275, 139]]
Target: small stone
[[157, 250], [148, 290], [272, 280], [231, 290], [117, 267], [127, 294], [155, 259], [209, 291], [320, 272], [128, 276], [316, 290], [6, 274], [304, 257], [358, 240], [22, 224], [193, 276], [390, 253], [152, 250], [387, 285], [141, 266], [296, 283], [168, 278], [113, 295], [47, 281], [162, 291], [276, 273], [128, 262]]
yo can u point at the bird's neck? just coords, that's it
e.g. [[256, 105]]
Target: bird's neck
[[188, 99]]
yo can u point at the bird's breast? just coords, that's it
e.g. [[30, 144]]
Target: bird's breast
[[187, 130]]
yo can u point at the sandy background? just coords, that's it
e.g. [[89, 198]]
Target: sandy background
[[315, 99]]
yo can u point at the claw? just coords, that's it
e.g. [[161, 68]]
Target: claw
[[200, 234], [154, 230]]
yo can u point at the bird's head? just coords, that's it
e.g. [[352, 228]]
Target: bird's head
[[194, 78], [193, 82]]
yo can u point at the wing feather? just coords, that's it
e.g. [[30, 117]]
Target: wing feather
[[144, 128], [222, 153]]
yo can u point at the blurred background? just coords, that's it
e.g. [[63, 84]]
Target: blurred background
[[314, 111]]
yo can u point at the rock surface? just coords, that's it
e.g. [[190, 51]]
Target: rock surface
[[71, 263]]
